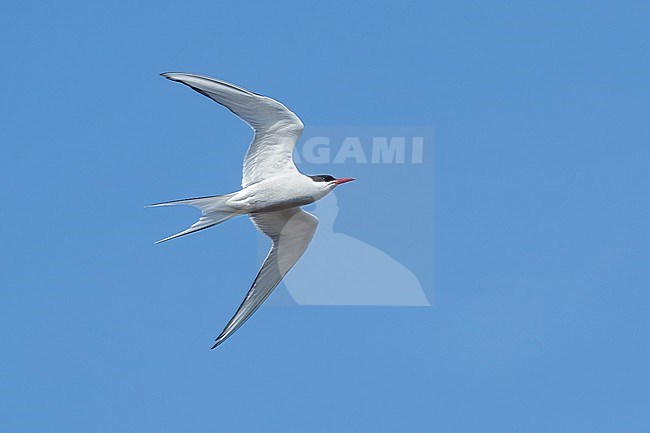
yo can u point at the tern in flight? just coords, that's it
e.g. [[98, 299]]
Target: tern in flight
[[272, 188]]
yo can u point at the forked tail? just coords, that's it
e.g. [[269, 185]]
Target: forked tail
[[214, 209]]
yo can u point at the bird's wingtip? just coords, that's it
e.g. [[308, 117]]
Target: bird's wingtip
[[220, 339], [169, 75]]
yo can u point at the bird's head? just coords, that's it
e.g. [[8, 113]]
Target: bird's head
[[329, 182]]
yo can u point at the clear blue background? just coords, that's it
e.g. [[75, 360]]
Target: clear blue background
[[540, 321]]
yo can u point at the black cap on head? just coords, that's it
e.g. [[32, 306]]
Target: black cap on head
[[322, 178]]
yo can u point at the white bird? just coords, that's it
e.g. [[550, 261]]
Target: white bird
[[272, 188]]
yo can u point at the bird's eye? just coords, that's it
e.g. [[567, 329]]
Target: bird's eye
[[323, 178]]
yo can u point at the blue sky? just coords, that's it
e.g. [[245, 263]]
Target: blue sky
[[540, 316]]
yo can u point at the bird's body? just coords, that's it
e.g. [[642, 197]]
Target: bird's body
[[277, 193], [272, 188]]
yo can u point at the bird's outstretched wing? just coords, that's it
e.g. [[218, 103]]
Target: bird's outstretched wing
[[291, 231], [276, 128]]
